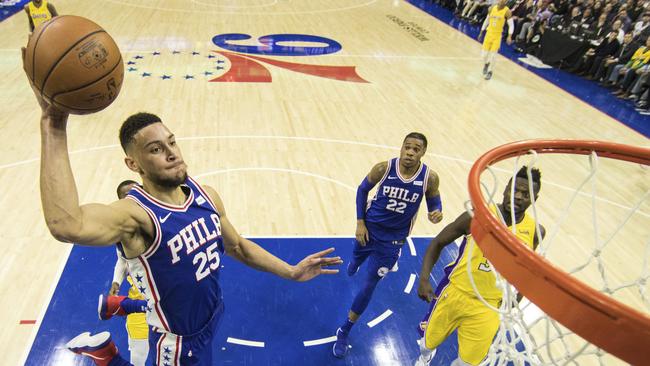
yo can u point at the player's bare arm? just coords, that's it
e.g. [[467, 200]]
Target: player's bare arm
[[373, 177], [451, 232], [433, 198], [256, 257], [67, 220], [52, 10]]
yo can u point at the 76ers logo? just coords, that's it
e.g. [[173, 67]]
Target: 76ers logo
[[248, 66]]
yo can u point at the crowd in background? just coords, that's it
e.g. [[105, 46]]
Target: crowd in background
[[616, 34]]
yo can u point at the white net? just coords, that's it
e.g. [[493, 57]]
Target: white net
[[595, 212]]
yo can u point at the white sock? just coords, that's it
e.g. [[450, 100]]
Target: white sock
[[139, 349]]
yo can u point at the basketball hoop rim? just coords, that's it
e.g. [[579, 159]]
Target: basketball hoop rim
[[532, 263]]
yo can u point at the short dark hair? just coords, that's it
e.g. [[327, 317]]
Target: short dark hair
[[534, 173], [123, 184], [134, 124], [416, 135]]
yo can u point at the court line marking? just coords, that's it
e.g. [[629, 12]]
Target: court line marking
[[411, 246], [317, 342], [39, 320], [380, 318], [318, 139], [236, 6], [244, 342], [181, 10], [409, 285]]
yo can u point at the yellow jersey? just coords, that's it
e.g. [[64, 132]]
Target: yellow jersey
[[497, 19], [482, 274], [134, 293], [39, 14], [641, 57]]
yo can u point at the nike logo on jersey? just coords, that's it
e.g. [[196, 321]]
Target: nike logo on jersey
[[163, 219], [390, 177]]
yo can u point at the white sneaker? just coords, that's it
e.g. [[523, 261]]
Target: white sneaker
[[426, 355]]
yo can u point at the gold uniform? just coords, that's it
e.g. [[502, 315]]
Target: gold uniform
[[457, 306], [497, 19], [136, 323], [39, 14]]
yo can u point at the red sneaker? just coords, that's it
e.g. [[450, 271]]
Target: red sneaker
[[100, 348], [109, 306]]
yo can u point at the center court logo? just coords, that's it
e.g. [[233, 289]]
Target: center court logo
[[248, 66], [240, 60]]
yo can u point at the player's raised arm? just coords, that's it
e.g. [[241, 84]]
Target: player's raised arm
[[93, 224], [371, 180], [257, 257], [447, 236]]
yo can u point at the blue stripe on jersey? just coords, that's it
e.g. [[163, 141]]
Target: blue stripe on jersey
[[393, 209], [181, 269]]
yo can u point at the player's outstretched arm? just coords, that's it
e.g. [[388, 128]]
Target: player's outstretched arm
[[447, 236], [256, 257], [93, 224]]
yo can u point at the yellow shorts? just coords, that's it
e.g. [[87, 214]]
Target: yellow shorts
[[491, 43], [136, 326], [477, 324]]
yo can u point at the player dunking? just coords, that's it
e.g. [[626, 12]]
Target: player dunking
[[385, 222], [454, 304], [496, 18], [173, 233]]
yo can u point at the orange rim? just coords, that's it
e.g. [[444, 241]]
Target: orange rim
[[613, 326]]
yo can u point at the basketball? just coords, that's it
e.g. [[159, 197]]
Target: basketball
[[74, 64]]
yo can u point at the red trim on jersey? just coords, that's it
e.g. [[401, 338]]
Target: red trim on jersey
[[207, 196], [410, 179], [154, 293], [160, 340], [177, 357], [158, 235], [167, 206]]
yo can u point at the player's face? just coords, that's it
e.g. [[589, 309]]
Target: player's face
[[157, 156], [522, 199], [412, 151], [502, 3]]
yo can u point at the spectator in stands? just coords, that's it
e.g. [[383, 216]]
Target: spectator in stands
[[617, 27], [641, 25], [522, 13], [571, 22], [606, 48], [598, 9], [598, 30], [627, 70], [622, 55], [624, 18]]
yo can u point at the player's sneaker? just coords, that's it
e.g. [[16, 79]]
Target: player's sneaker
[[488, 75], [342, 345], [100, 347], [426, 355], [485, 68], [109, 306]]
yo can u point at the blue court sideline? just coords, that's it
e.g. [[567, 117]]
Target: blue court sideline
[[260, 307]]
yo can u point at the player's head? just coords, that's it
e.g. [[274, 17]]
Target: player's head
[[502, 3], [522, 198], [151, 150], [413, 148], [124, 188]]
